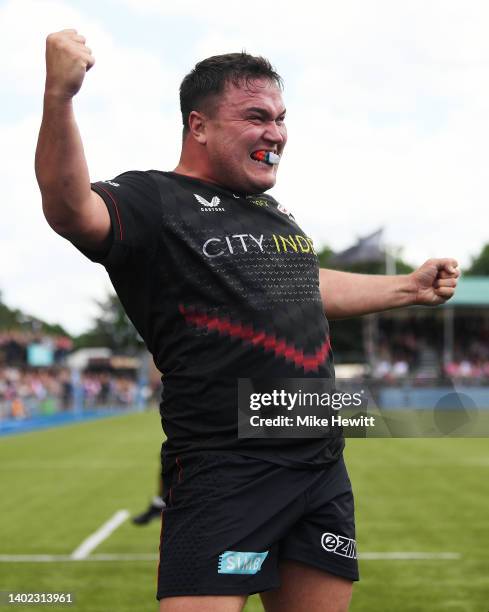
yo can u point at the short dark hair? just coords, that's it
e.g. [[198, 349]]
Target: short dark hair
[[210, 76]]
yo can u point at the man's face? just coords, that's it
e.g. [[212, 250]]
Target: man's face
[[246, 119]]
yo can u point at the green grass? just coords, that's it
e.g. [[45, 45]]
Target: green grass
[[58, 486]]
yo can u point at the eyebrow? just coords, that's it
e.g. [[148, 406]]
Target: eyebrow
[[263, 112]]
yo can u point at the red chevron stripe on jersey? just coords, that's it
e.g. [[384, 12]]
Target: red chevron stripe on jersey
[[246, 332]]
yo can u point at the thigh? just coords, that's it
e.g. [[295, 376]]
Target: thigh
[[203, 603], [308, 589], [221, 528], [324, 537]]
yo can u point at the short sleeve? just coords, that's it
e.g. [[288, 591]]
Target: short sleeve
[[134, 205]]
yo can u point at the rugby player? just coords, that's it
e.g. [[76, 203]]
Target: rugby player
[[222, 283]]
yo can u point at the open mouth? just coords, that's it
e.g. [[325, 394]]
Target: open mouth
[[268, 158]]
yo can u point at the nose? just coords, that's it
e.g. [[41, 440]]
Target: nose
[[275, 133]]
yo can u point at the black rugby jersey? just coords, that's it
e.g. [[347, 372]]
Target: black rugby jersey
[[220, 286]]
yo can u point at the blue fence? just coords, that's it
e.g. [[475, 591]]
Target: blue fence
[[445, 397]]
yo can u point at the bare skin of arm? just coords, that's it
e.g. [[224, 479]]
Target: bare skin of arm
[[71, 208], [345, 294]]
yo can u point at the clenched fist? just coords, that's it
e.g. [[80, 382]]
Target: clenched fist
[[67, 61], [435, 281]]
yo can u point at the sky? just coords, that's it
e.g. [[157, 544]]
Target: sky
[[387, 113]]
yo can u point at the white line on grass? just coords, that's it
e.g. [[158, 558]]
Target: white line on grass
[[366, 556], [100, 535]]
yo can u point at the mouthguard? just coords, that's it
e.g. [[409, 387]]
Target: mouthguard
[[266, 156]]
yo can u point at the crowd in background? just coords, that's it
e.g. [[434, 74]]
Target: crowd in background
[[413, 348], [407, 349], [14, 346], [24, 391]]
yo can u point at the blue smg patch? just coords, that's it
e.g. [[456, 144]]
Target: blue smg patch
[[236, 562]]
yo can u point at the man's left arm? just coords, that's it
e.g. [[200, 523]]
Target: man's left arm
[[345, 294]]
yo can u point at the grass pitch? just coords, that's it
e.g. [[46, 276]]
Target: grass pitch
[[59, 486]]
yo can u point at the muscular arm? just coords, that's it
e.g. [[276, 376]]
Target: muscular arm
[[70, 206], [345, 294]]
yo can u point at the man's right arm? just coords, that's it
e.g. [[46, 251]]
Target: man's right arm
[[70, 206]]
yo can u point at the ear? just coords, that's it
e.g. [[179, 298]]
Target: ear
[[197, 123]]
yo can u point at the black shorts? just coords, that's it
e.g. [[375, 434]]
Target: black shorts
[[231, 519]]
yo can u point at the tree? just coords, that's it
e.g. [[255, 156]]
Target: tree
[[324, 256], [112, 328], [480, 263], [15, 319]]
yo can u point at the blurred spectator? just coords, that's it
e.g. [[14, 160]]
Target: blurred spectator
[[14, 345], [24, 391]]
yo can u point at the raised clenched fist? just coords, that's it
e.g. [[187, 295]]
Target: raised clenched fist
[[435, 281], [67, 61]]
